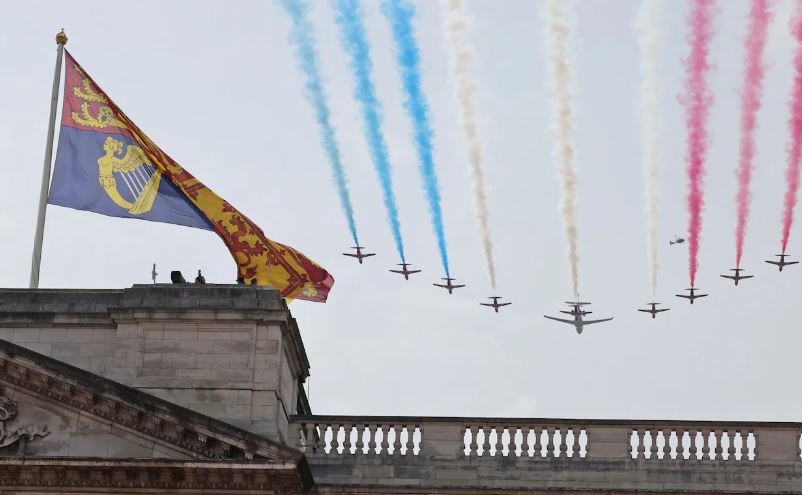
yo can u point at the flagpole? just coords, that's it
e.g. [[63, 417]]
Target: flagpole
[[36, 259]]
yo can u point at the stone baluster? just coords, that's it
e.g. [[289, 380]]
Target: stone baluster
[[654, 433], [410, 444], [397, 439], [705, 445], [573, 451], [562, 447], [335, 431], [473, 448], [385, 446], [550, 447], [757, 444], [499, 443], [666, 444], [486, 441], [360, 440], [525, 444], [744, 450], [538, 453], [719, 449], [640, 435], [692, 446], [348, 430], [514, 441], [372, 439], [730, 444]]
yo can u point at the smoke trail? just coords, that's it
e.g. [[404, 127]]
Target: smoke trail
[[303, 37], [348, 14], [466, 98], [697, 101], [650, 93], [400, 13], [557, 34], [795, 129], [759, 18]]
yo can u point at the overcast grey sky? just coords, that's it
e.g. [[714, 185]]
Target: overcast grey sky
[[216, 85]]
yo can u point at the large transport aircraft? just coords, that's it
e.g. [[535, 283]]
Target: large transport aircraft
[[577, 312]]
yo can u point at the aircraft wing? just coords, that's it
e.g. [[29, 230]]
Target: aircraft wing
[[570, 322], [678, 295], [773, 262], [589, 322], [504, 304], [398, 271], [441, 285], [648, 310], [366, 255], [661, 310], [457, 286], [731, 277], [350, 254], [412, 271]]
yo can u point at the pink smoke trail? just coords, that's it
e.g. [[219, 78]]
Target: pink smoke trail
[[795, 128], [697, 101], [759, 17]]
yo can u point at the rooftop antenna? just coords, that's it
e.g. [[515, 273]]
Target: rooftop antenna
[[153, 273]]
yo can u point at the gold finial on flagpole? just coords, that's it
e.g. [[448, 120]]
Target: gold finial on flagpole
[[61, 37]]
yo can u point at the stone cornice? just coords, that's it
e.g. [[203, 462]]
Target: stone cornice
[[256, 477], [134, 409]]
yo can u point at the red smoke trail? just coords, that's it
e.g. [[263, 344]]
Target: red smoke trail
[[697, 101], [795, 128], [759, 17]]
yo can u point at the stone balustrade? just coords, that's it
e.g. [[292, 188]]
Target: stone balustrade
[[654, 441]]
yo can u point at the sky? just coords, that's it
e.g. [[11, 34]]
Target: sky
[[217, 86]]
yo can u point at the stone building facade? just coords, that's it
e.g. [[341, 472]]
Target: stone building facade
[[199, 389]]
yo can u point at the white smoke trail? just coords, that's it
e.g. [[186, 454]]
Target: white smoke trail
[[650, 93], [456, 25], [557, 36]]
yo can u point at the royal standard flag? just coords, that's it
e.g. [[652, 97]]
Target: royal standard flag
[[107, 165]]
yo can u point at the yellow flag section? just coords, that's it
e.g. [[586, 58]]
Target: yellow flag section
[[259, 259]]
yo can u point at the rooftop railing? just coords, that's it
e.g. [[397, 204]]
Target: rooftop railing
[[542, 439]]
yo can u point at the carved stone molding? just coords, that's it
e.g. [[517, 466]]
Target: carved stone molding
[[9, 436], [172, 475], [177, 431]]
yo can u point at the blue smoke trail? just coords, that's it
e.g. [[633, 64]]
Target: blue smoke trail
[[400, 14], [303, 37], [348, 15]]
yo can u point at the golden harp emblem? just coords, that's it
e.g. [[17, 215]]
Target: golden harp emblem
[[140, 178]]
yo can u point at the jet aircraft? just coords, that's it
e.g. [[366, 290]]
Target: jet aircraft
[[677, 240], [693, 294], [359, 254], [405, 271], [737, 277], [782, 262], [448, 285], [495, 304], [577, 312], [653, 310]]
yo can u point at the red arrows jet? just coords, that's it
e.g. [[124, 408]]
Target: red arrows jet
[[359, 254], [693, 295], [782, 262], [448, 285], [404, 271], [737, 277], [653, 310], [495, 304]]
